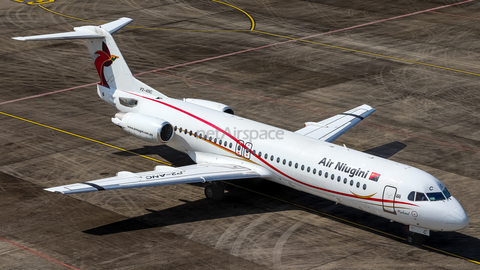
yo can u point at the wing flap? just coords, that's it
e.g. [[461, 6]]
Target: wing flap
[[162, 175], [331, 128]]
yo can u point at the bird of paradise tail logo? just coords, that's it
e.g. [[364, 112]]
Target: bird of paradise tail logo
[[104, 59]]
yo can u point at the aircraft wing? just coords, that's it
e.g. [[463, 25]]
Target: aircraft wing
[[330, 129], [162, 175]]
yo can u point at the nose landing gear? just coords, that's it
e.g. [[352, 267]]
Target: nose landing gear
[[415, 238], [416, 235]]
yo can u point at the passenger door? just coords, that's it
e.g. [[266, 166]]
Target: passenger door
[[388, 200]]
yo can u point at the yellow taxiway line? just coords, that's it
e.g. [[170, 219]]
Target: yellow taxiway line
[[252, 21], [252, 29], [368, 53], [311, 210], [83, 137]]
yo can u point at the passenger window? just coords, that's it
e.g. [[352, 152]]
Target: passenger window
[[333, 176], [191, 133], [266, 156], [195, 134], [314, 171], [339, 179], [271, 157], [319, 172], [215, 140], [411, 196], [303, 167], [358, 184], [326, 174], [200, 135], [260, 154], [254, 152], [308, 169], [364, 186], [278, 160], [186, 131], [351, 182], [345, 180], [225, 144], [296, 165], [175, 128], [284, 161], [220, 142], [230, 145], [290, 163]]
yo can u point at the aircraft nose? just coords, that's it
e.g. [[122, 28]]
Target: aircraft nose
[[456, 219]]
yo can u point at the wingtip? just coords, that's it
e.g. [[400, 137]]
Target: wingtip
[[126, 18], [19, 38], [54, 190]]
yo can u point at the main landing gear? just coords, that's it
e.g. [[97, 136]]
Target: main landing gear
[[215, 191]]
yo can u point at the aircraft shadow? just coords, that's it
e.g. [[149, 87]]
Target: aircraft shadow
[[177, 158], [241, 202], [386, 150]]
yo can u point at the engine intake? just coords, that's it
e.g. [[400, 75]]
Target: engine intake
[[145, 127]]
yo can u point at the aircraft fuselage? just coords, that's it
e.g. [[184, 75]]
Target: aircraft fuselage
[[369, 183]]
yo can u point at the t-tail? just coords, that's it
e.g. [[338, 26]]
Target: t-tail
[[111, 66]]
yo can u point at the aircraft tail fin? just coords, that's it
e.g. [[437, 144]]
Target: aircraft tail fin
[[111, 66]]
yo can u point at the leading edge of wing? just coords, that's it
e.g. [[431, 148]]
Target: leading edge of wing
[[331, 128], [162, 175]]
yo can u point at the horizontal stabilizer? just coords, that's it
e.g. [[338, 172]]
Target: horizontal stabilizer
[[114, 26], [162, 175], [67, 35], [83, 32]]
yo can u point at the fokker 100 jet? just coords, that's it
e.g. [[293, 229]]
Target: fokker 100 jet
[[226, 147]]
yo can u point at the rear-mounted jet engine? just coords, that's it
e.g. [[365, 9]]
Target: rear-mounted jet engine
[[145, 127], [210, 104]]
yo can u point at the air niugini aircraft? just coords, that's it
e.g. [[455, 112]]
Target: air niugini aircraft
[[226, 147]]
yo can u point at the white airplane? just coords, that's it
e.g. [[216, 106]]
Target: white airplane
[[227, 147]]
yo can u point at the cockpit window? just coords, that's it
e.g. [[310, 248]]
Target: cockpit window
[[436, 196], [411, 196], [432, 196], [446, 193], [420, 196]]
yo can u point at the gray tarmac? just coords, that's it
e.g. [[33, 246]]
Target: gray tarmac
[[419, 70]]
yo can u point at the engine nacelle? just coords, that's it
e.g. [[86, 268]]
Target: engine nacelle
[[145, 127], [210, 104]]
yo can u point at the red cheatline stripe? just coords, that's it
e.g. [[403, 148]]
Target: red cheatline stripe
[[260, 158], [38, 254]]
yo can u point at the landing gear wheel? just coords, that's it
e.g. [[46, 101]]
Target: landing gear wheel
[[415, 239], [215, 191]]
